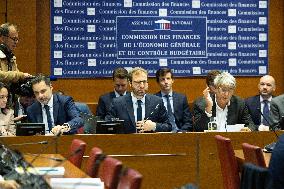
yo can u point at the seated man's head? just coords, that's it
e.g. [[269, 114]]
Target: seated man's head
[[164, 78], [119, 77], [210, 79], [266, 86], [9, 36], [138, 81], [225, 85], [42, 88]]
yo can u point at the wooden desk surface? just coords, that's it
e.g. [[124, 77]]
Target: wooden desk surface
[[45, 160], [194, 157], [240, 157]]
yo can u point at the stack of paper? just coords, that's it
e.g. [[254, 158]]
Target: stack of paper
[[76, 183]]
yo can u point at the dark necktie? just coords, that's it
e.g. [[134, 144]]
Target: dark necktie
[[170, 114], [139, 110], [265, 112], [49, 120]]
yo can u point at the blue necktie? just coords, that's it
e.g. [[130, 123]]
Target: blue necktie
[[139, 110], [265, 112], [170, 114], [49, 120]]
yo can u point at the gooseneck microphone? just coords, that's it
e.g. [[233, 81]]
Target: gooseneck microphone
[[29, 143], [269, 147]]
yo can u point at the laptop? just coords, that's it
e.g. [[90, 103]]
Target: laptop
[[28, 129]]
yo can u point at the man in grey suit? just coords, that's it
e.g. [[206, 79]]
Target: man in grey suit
[[226, 108], [178, 105], [119, 77], [141, 112], [261, 102], [277, 112]]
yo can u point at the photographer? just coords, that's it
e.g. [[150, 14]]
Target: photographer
[[8, 67]]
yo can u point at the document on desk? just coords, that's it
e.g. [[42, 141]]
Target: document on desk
[[76, 183], [50, 171], [235, 128]]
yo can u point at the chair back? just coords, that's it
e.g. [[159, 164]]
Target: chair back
[[76, 152], [254, 176], [253, 154], [130, 179], [228, 162], [109, 172], [94, 162]]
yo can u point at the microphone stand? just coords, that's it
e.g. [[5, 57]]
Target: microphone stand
[[269, 148]]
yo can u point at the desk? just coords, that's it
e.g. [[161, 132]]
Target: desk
[[45, 160], [194, 156], [241, 159]]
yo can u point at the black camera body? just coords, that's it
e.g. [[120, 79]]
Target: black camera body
[[22, 88]]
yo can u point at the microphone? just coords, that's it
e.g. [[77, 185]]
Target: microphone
[[138, 130], [29, 143], [269, 147], [45, 157], [53, 140]]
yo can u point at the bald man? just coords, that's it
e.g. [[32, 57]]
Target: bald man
[[261, 102]]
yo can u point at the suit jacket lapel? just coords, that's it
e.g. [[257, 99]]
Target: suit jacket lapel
[[112, 95], [39, 114], [55, 108], [175, 102], [258, 105], [231, 115], [147, 106], [129, 107]]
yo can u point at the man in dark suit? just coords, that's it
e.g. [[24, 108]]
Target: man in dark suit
[[276, 165], [141, 112], [178, 104], [58, 112], [119, 77], [261, 102], [226, 108]]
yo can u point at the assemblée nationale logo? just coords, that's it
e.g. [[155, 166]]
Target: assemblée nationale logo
[[162, 25]]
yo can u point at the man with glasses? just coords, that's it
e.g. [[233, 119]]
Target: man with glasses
[[120, 83], [8, 42], [226, 108], [141, 112]]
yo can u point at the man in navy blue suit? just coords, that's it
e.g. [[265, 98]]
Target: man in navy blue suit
[[119, 77], [178, 106], [276, 165], [141, 112], [58, 112], [255, 104]]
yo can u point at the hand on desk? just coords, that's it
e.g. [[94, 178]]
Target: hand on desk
[[263, 128], [245, 129], [59, 129], [147, 125]]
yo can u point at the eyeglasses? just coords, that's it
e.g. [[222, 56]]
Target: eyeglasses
[[2, 97], [226, 90], [15, 39], [140, 82]]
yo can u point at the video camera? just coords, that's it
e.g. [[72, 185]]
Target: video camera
[[22, 88]]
